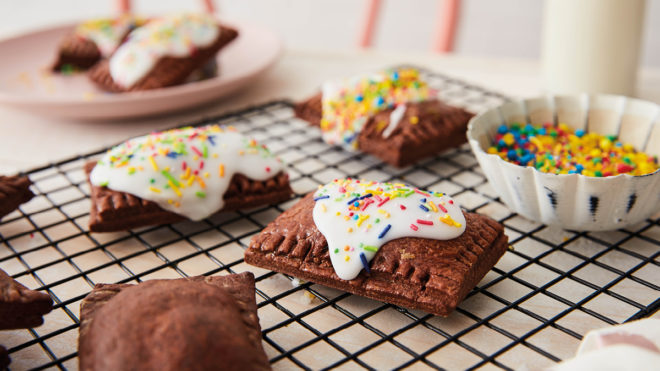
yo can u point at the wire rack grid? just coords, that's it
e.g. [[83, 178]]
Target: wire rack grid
[[531, 309]]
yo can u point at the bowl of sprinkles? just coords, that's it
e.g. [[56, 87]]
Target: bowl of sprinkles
[[582, 162]]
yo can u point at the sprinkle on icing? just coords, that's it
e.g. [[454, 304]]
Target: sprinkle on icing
[[348, 104], [560, 150], [357, 217], [107, 33], [177, 35], [185, 170]]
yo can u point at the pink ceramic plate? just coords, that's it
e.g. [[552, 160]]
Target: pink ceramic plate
[[27, 83]]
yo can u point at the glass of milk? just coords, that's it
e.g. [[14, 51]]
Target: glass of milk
[[591, 46]]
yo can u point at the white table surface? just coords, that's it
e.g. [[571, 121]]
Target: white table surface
[[29, 141]]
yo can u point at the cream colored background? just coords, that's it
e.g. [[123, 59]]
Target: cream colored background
[[502, 28]]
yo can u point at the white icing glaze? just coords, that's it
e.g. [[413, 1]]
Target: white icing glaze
[[174, 36], [107, 33], [191, 169], [395, 118], [392, 211]]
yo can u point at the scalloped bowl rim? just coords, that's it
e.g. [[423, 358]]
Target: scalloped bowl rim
[[507, 168]]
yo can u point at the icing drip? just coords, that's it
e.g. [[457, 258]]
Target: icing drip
[[395, 118], [348, 104], [174, 36], [107, 33], [185, 170], [358, 217]]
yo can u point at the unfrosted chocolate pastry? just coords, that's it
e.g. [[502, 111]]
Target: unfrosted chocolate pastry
[[392, 243], [21, 307], [392, 115], [14, 191], [198, 323], [166, 177], [164, 52]]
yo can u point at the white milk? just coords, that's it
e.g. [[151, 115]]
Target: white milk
[[591, 45]]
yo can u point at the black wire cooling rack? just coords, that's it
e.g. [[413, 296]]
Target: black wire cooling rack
[[531, 310]]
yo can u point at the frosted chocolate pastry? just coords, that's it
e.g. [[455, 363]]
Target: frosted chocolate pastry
[[92, 41], [388, 242], [164, 52], [188, 173], [392, 115]]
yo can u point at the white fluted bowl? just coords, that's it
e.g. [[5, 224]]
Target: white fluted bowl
[[574, 201]]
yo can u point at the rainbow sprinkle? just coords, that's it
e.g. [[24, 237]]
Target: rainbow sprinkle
[[177, 35], [365, 263], [107, 33], [364, 199], [158, 148], [560, 150], [348, 104]]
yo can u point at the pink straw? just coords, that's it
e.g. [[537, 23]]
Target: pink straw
[[209, 6], [368, 23], [124, 6], [446, 26]]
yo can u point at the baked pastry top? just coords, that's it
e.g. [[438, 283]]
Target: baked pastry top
[[415, 272], [198, 323]]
